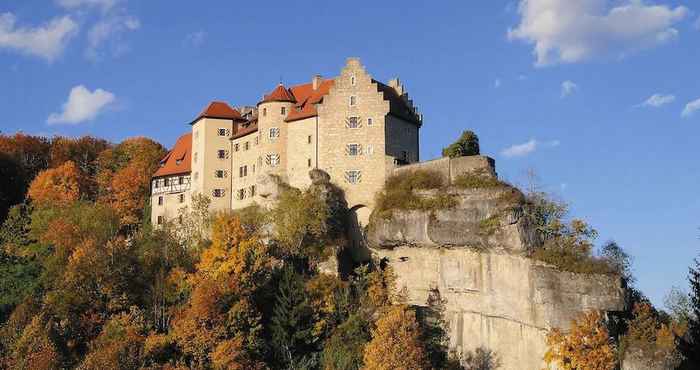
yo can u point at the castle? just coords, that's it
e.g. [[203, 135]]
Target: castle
[[353, 127]]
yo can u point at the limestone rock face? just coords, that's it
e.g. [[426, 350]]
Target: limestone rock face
[[481, 218], [496, 297]]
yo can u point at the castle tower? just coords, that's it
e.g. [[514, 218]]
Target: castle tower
[[212, 155], [272, 128]]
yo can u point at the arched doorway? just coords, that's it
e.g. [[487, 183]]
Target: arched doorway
[[358, 218]]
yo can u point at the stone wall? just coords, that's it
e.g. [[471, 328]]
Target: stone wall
[[451, 168]]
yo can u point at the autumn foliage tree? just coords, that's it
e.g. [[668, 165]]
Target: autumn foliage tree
[[58, 186], [586, 347], [396, 343]]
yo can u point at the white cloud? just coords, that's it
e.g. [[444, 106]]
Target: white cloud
[[521, 150], [74, 4], [568, 88], [657, 100], [691, 108], [82, 105], [497, 83], [109, 28], [566, 31], [195, 38], [47, 41]]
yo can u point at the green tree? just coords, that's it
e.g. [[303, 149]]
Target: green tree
[[466, 145], [291, 324], [692, 348], [345, 348], [12, 189]]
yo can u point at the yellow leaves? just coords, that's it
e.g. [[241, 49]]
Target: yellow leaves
[[586, 347], [230, 354], [395, 343], [647, 333], [57, 186], [381, 288]]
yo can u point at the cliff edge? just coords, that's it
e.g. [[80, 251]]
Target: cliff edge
[[474, 254]]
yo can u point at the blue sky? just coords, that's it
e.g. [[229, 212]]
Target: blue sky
[[601, 98]]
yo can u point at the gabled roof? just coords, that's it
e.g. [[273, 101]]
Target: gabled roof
[[307, 98], [218, 109], [280, 94], [177, 161]]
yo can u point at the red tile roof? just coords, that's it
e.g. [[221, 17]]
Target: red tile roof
[[245, 128], [219, 109], [177, 161], [280, 93], [307, 98]]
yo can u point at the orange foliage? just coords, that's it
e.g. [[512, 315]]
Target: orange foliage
[[35, 349], [586, 347], [57, 186], [230, 354], [119, 345], [396, 343]]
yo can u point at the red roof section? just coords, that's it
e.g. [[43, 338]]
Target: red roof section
[[280, 93], [219, 109], [177, 161], [307, 98]]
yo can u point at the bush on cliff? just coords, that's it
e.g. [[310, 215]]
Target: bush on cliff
[[467, 144], [399, 193]]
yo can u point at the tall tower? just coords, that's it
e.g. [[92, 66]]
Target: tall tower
[[272, 112], [211, 153]]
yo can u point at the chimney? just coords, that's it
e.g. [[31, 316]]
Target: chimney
[[316, 81]]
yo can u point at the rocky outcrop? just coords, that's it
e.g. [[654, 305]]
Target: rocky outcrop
[[474, 255]]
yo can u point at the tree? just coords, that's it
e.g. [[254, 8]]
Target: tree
[[692, 350], [586, 347], [12, 180], [619, 260], [30, 152], [344, 350], [292, 320], [650, 339], [466, 145], [396, 342], [119, 345], [58, 186]]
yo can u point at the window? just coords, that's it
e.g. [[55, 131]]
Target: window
[[308, 162], [272, 159], [283, 110], [274, 133], [308, 139], [195, 157], [240, 194], [218, 193], [246, 145], [370, 149], [243, 171], [224, 132], [353, 149], [181, 197], [165, 182], [252, 190], [160, 200], [222, 154], [257, 140], [235, 147], [160, 220], [404, 156], [220, 174], [352, 80], [353, 176], [180, 180], [369, 122], [253, 167], [353, 100], [352, 122], [264, 112]]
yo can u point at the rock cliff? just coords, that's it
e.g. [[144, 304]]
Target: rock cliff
[[496, 297]]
